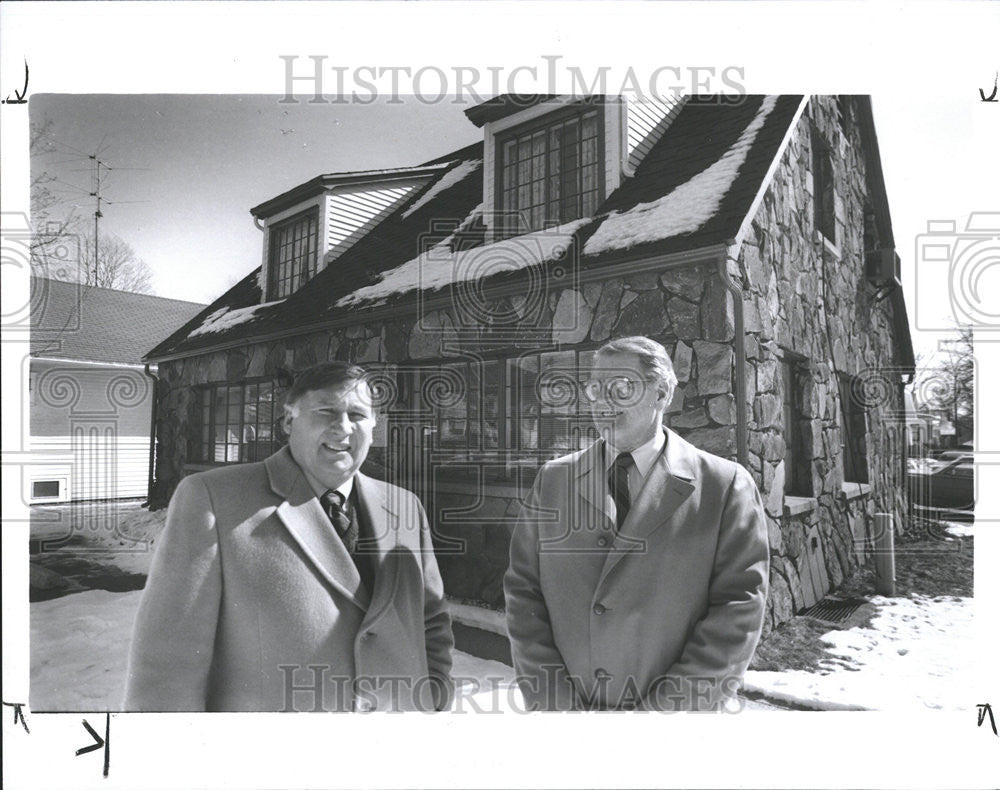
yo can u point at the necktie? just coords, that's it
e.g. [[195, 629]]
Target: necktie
[[618, 486], [334, 505]]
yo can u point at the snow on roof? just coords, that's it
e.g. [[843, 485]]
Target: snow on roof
[[446, 181], [225, 317], [439, 266], [687, 207]]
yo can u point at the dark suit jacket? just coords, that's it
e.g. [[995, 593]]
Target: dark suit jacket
[[666, 613], [254, 604]]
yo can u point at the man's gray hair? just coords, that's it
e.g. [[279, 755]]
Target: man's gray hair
[[653, 358]]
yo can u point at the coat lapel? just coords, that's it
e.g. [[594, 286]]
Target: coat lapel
[[303, 517], [670, 481], [592, 488], [384, 519]]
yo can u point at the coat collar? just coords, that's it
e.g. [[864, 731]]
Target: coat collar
[[304, 518]]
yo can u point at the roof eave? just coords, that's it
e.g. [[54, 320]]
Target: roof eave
[[320, 184]]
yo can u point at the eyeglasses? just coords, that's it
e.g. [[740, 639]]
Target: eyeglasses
[[620, 390]]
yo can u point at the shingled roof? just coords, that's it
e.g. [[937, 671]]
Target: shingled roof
[[89, 324], [693, 189]]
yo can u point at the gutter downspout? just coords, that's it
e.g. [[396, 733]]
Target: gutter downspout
[[152, 436], [735, 287]]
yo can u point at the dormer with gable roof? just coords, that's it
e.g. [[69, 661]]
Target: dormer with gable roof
[[313, 224], [549, 160]]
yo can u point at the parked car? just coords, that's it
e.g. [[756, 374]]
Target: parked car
[[949, 484]]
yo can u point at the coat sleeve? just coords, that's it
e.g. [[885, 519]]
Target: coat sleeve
[[438, 635], [542, 675], [715, 656], [174, 635]]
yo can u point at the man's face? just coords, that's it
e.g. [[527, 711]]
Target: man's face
[[330, 431], [626, 407]]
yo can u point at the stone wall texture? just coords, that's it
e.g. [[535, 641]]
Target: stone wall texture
[[799, 300]]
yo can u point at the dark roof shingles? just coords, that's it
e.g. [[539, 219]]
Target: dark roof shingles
[[86, 323]]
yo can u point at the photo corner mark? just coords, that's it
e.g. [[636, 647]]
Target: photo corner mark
[[984, 710], [19, 714], [982, 94], [20, 97], [99, 742]]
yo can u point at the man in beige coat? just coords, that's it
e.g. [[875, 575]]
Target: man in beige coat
[[639, 567], [295, 584]]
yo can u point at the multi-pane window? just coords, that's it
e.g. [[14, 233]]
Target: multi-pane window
[[238, 422], [798, 464], [520, 411], [550, 174], [293, 254], [853, 432], [824, 215]]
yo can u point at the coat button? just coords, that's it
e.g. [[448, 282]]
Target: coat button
[[602, 542], [368, 635], [364, 706], [601, 673], [599, 609]]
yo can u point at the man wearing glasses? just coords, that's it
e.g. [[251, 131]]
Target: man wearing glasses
[[639, 566]]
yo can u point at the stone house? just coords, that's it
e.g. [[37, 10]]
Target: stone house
[[751, 237]]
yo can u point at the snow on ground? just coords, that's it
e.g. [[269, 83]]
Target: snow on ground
[[79, 653], [447, 181], [225, 317], [685, 209], [79, 650], [917, 654], [439, 267]]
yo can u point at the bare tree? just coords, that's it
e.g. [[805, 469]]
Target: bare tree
[[947, 383], [49, 216], [117, 265], [61, 246]]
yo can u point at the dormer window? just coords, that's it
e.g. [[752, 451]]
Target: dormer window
[[292, 259], [549, 172]]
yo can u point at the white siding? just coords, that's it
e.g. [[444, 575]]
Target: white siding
[[351, 211], [94, 463], [648, 119]]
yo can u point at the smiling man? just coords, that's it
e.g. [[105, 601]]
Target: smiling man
[[298, 583], [639, 566]]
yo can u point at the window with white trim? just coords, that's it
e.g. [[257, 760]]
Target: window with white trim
[[550, 172], [293, 254]]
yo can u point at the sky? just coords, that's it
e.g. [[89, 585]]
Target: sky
[[186, 169]]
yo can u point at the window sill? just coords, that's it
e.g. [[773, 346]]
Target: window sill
[[854, 490], [796, 505], [828, 245]]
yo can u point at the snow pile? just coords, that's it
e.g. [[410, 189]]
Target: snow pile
[[439, 266], [227, 317], [688, 207], [918, 654], [447, 181]]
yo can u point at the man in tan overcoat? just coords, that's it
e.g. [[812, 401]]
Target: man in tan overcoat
[[298, 583], [639, 566]]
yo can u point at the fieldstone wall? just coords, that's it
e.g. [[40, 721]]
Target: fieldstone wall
[[687, 309], [799, 299], [811, 298]]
